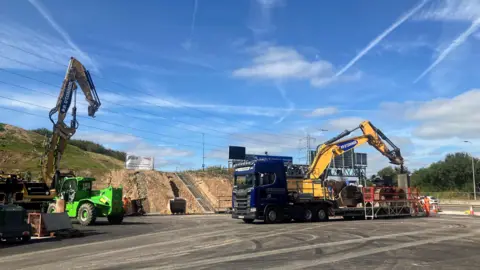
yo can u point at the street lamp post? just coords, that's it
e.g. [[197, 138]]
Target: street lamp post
[[473, 176]]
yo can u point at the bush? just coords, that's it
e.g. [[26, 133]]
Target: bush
[[43, 132], [98, 148], [2, 127]]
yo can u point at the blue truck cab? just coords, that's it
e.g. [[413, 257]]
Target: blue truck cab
[[261, 192]]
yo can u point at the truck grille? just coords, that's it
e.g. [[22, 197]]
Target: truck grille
[[242, 202]]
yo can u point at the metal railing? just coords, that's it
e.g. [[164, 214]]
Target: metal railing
[[450, 195]]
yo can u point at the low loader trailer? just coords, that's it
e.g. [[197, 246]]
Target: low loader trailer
[[268, 189], [263, 191]]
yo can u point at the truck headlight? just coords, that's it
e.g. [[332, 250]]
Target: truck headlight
[[253, 209]]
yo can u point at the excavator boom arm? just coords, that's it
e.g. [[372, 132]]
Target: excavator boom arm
[[335, 147], [56, 144]]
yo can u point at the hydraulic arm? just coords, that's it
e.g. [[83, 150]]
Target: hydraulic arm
[[55, 147], [335, 147]]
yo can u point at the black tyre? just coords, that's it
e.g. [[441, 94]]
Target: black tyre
[[307, 215], [272, 215], [321, 214], [248, 221], [117, 219], [26, 238], [51, 208], [86, 214]]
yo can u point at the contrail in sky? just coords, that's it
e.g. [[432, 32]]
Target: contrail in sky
[[66, 37], [385, 33], [457, 42]]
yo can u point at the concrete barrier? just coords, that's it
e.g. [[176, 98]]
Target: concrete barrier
[[458, 202]]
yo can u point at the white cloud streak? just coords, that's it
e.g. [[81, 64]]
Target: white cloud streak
[[319, 112], [379, 38], [457, 42], [66, 37], [187, 45], [16, 40], [284, 63], [290, 104]]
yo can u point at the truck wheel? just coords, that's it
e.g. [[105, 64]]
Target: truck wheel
[[26, 238], [117, 219], [271, 215], [307, 215], [248, 221], [321, 214], [86, 214], [51, 208]]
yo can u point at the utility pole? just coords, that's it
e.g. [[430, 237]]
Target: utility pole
[[307, 148], [203, 151]]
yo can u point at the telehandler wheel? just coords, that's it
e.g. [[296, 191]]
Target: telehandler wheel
[[117, 219], [87, 214]]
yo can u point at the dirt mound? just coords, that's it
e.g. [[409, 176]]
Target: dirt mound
[[217, 188], [153, 187]]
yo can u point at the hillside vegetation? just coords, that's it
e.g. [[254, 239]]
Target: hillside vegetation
[[21, 150], [87, 145]]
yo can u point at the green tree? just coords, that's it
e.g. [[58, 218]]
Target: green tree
[[454, 173]]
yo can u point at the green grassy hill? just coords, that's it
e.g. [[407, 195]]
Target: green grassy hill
[[21, 150]]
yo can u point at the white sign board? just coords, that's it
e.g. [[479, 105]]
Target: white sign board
[[139, 163]]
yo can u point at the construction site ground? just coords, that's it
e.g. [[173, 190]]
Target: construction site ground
[[219, 242]]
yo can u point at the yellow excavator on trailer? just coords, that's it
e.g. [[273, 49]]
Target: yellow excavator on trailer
[[336, 147], [272, 191]]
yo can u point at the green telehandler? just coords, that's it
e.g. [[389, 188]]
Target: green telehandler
[[76, 196]]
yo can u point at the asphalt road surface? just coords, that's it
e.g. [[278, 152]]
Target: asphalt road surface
[[219, 242]]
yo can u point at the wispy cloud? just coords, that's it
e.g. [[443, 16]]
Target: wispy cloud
[[344, 123], [457, 42], [66, 37], [284, 63], [406, 46], [187, 45], [216, 108], [23, 44], [194, 61], [320, 112], [452, 11], [260, 22], [379, 38], [290, 104]]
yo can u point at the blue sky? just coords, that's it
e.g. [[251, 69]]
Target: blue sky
[[258, 73]]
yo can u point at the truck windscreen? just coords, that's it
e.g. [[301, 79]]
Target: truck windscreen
[[245, 181]]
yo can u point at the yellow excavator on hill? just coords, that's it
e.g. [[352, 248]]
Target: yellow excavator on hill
[[33, 195], [56, 144]]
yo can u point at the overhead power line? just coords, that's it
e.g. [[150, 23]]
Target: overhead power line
[[139, 91], [256, 141], [110, 123]]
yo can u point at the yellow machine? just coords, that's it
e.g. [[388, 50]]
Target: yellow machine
[[55, 147], [32, 195], [335, 147]]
